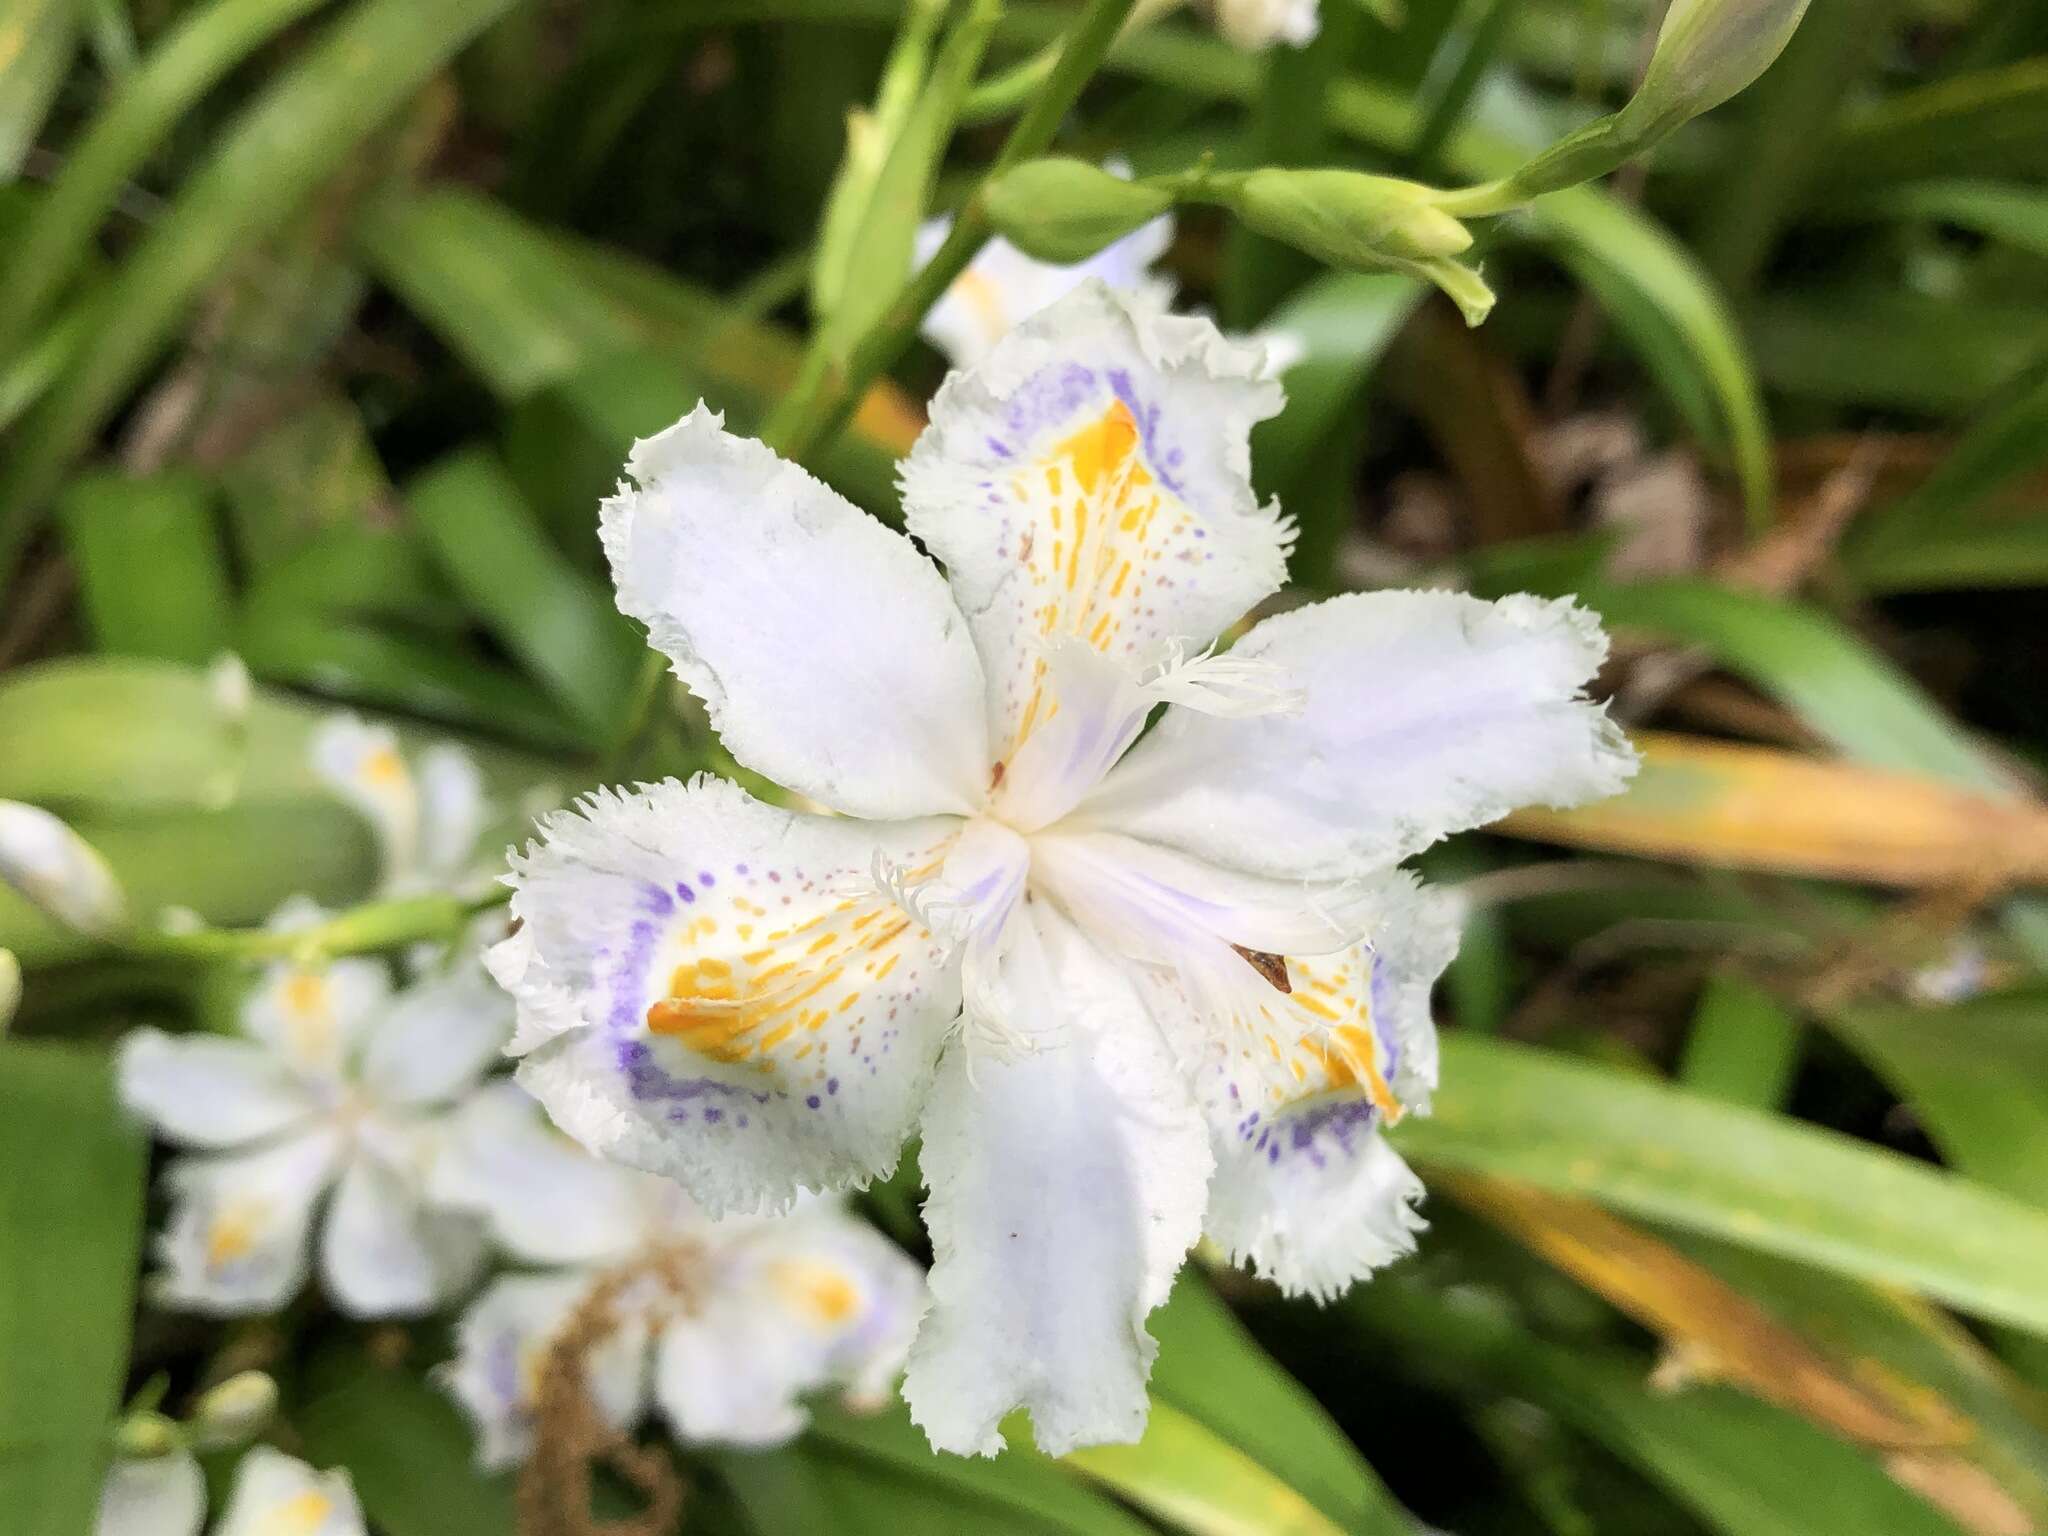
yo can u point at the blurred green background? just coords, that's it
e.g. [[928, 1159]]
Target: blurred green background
[[323, 327]]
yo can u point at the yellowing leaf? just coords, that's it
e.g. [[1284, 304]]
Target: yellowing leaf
[[1744, 807]]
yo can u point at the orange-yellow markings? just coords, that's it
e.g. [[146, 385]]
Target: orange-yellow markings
[[716, 1012], [1114, 502]]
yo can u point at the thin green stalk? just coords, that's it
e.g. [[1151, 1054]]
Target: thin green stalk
[[373, 926], [1000, 95], [823, 397]]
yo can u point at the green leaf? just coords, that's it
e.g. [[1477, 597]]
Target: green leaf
[[406, 1446], [1941, 533], [2013, 214], [1742, 1466], [560, 623], [267, 163], [491, 286], [206, 44], [1992, 122], [1760, 1180], [1833, 681], [150, 566], [1211, 1371], [1743, 1046], [40, 39], [103, 735], [403, 673], [1866, 345], [71, 1176], [1017, 1490], [360, 572], [1929, 1362], [1186, 1474], [1976, 1074]]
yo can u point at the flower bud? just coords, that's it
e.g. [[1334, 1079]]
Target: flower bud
[[1350, 219], [59, 871], [227, 681], [236, 1410], [145, 1432], [1707, 50], [1347, 218], [1064, 211], [10, 988]]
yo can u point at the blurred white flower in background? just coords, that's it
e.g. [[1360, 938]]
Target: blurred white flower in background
[[1128, 990], [274, 1495], [725, 1325], [1002, 287], [335, 1083], [428, 816], [1256, 25], [58, 871]]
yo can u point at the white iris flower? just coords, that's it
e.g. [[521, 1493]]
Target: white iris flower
[[336, 1083], [1189, 984], [427, 818], [727, 1323], [274, 1495]]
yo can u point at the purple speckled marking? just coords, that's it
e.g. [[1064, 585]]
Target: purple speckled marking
[[1311, 1132], [998, 447], [1380, 999], [812, 1101], [646, 1078], [685, 892], [739, 869], [704, 879], [831, 1085], [1164, 461]]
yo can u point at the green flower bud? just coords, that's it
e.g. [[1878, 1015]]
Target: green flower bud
[[1707, 51], [1064, 211], [145, 1432], [10, 987], [1347, 218]]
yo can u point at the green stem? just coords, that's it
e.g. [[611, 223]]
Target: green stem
[[373, 926], [1000, 95], [1488, 197], [824, 397]]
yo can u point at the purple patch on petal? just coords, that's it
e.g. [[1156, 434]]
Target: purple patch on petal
[[812, 1101], [1163, 461], [1049, 398], [704, 879], [685, 892]]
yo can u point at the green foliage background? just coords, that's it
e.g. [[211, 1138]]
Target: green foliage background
[[324, 323]]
